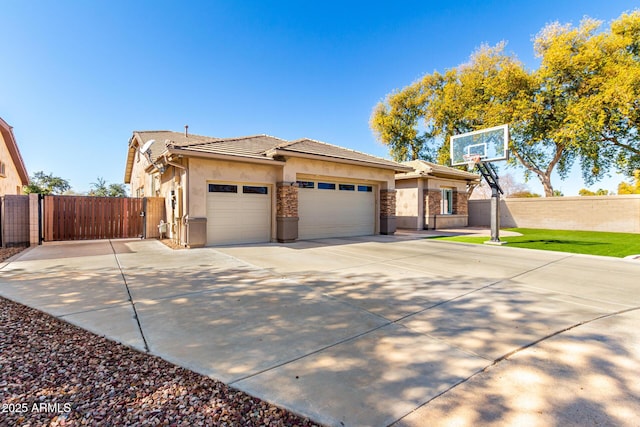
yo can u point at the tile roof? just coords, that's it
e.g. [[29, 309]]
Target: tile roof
[[263, 147], [162, 138], [423, 167], [255, 146], [310, 146]]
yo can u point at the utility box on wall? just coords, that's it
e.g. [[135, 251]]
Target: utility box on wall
[[196, 232]]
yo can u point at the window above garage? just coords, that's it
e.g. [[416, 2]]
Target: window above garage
[[252, 189], [306, 184], [223, 188], [326, 186]]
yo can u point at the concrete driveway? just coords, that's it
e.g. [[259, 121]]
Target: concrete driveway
[[366, 331]]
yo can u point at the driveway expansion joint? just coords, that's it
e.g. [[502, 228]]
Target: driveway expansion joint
[[133, 305]]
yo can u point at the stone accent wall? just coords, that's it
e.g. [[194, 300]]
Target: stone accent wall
[[460, 203], [432, 200], [287, 200], [387, 203]]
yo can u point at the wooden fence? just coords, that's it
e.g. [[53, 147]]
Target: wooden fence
[[84, 218]]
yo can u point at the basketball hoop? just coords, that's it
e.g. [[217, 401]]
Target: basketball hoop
[[472, 160]]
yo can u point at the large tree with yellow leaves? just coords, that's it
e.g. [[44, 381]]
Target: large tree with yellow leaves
[[582, 103]]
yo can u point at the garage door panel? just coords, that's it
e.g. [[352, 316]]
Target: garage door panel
[[335, 213], [234, 218]]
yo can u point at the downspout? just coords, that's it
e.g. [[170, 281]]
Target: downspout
[[185, 193]]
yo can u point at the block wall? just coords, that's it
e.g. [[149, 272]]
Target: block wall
[[591, 213]]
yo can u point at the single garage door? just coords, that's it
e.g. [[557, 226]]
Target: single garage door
[[238, 213], [334, 209]]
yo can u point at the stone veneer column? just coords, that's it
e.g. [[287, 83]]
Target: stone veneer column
[[460, 203], [287, 212], [387, 211], [34, 219], [431, 206]]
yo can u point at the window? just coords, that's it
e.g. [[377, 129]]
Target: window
[[2, 170], [140, 192], [326, 186], [223, 188], [365, 188], [447, 201], [347, 187], [306, 184], [250, 189]]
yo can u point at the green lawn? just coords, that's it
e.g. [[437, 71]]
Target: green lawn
[[581, 242]]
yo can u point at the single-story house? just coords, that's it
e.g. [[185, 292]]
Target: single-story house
[[13, 173], [261, 188], [433, 196]]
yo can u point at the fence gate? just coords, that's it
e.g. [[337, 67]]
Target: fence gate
[[84, 217]]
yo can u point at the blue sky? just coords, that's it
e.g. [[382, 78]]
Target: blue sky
[[79, 76]]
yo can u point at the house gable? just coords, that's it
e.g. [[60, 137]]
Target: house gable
[[13, 173]]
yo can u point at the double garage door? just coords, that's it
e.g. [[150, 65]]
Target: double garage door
[[334, 209], [241, 213]]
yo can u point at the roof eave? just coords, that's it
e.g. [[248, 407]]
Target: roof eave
[[455, 176], [228, 157], [14, 151], [131, 154], [289, 153]]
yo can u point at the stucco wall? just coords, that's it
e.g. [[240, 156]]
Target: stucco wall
[[407, 203], [297, 168], [595, 213], [10, 183], [439, 183], [203, 171], [139, 178]]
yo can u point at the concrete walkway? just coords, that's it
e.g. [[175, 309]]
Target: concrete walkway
[[366, 331]]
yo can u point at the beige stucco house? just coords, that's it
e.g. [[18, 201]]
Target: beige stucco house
[[13, 173], [433, 196], [261, 188]]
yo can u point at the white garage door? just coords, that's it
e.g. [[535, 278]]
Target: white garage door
[[238, 213], [334, 209]]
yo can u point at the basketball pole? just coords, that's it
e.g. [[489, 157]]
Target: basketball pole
[[491, 176], [495, 214]]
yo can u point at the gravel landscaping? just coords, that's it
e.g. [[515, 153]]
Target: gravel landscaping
[[6, 253], [56, 374]]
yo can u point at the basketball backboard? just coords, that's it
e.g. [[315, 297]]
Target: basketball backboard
[[489, 145]]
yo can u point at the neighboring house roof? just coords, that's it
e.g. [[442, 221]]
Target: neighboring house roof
[[254, 148], [424, 169], [12, 146]]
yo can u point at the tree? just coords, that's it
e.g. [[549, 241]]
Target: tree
[[633, 188], [524, 194], [46, 184], [597, 74], [395, 122], [605, 113], [582, 103], [598, 192], [100, 189], [508, 184]]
